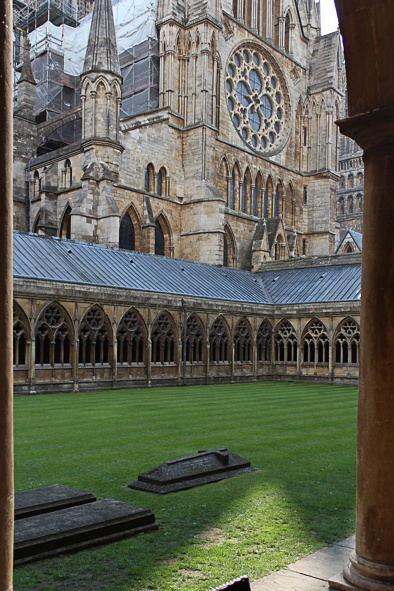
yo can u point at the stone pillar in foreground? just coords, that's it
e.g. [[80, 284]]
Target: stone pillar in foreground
[[6, 437], [371, 566]]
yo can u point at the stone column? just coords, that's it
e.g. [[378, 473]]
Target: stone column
[[6, 370], [371, 566]]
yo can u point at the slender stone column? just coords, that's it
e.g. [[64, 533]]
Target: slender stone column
[[371, 567], [6, 375]]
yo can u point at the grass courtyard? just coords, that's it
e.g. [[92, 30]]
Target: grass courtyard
[[301, 437]]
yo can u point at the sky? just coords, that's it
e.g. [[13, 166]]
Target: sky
[[329, 20]]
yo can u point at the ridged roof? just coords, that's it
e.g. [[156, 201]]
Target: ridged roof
[[66, 261]]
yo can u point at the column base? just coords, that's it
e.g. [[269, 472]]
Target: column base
[[364, 575]]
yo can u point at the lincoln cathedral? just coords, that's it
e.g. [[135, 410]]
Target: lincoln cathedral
[[185, 209]]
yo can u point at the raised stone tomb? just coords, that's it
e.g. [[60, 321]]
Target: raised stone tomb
[[75, 528], [49, 498], [201, 468]]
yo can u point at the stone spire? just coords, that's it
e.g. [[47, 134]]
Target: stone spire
[[102, 53], [26, 73]]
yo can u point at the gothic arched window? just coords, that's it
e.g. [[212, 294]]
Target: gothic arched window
[[347, 342], [53, 337], [232, 191], [315, 343], [126, 233], [242, 342], [194, 340], [65, 228], [285, 343], [20, 336], [264, 341], [218, 341], [163, 340], [130, 338], [94, 335], [150, 178], [159, 239]]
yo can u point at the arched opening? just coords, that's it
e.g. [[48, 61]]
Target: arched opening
[[65, 226], [163, 242], [287, 33], [229, 252], [126, 233], [163, 340], [53, 337], [162, 182], [218, 341], [131, 339], [150, 178], [242, 342], [94, 338]]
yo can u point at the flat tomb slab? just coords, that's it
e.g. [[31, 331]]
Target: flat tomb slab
[[201, 468], [78, 527], [49, 498]]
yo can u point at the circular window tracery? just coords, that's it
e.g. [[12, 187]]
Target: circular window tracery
[[257, 99]]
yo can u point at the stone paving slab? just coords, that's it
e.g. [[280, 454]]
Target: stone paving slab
[[310, 573], [49, 498], [322, 564]]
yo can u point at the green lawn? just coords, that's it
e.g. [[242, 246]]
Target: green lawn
[[300, 437]]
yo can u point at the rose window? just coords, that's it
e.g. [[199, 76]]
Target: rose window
[[258, 100]]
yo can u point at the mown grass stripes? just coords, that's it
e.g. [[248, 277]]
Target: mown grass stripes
[[301, 437]]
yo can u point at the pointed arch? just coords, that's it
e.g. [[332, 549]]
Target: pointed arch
[[95, 338], [288, 32], [264, 342], [289, 208], [195, 339], [131, 337], [150, 178], [219, 349], [164, 336], [229, 248], [280, 247], [347, 342], [130, 230], [163, 236], [162, 182], [243, 341], [36, 184], [21, 335], [257, 199], [65, 225], [268, 195], [246, 193], [235, 186], [315, 343], [224, 179], [277, 203], [286, 346], [54, 334]]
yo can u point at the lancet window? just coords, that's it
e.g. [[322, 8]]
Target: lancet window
[[218, 341], [163, 340], [264, 342], [94, 334], [315, 343], [19, 339], [53, 338], [130, 338], [347, 342], [242, 342], [194, 340], [286, 343]]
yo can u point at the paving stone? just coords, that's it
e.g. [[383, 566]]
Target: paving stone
[[323, 564], [287, 580]]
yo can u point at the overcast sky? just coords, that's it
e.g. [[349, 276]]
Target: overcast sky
[[329, 20]]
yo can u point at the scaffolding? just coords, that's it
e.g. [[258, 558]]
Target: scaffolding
[[58, 32]]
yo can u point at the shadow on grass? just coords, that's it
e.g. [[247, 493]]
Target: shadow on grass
[[301, 439]]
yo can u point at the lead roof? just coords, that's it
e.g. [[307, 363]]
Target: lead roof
[[46, 258]]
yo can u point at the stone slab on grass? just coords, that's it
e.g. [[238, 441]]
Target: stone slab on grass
[[74, 528], [49, 498], [203, 467]]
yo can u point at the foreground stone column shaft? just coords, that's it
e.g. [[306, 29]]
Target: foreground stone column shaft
[[372, 565], [6, 438]]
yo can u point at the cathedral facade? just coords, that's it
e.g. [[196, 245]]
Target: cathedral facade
[[235, 161]]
